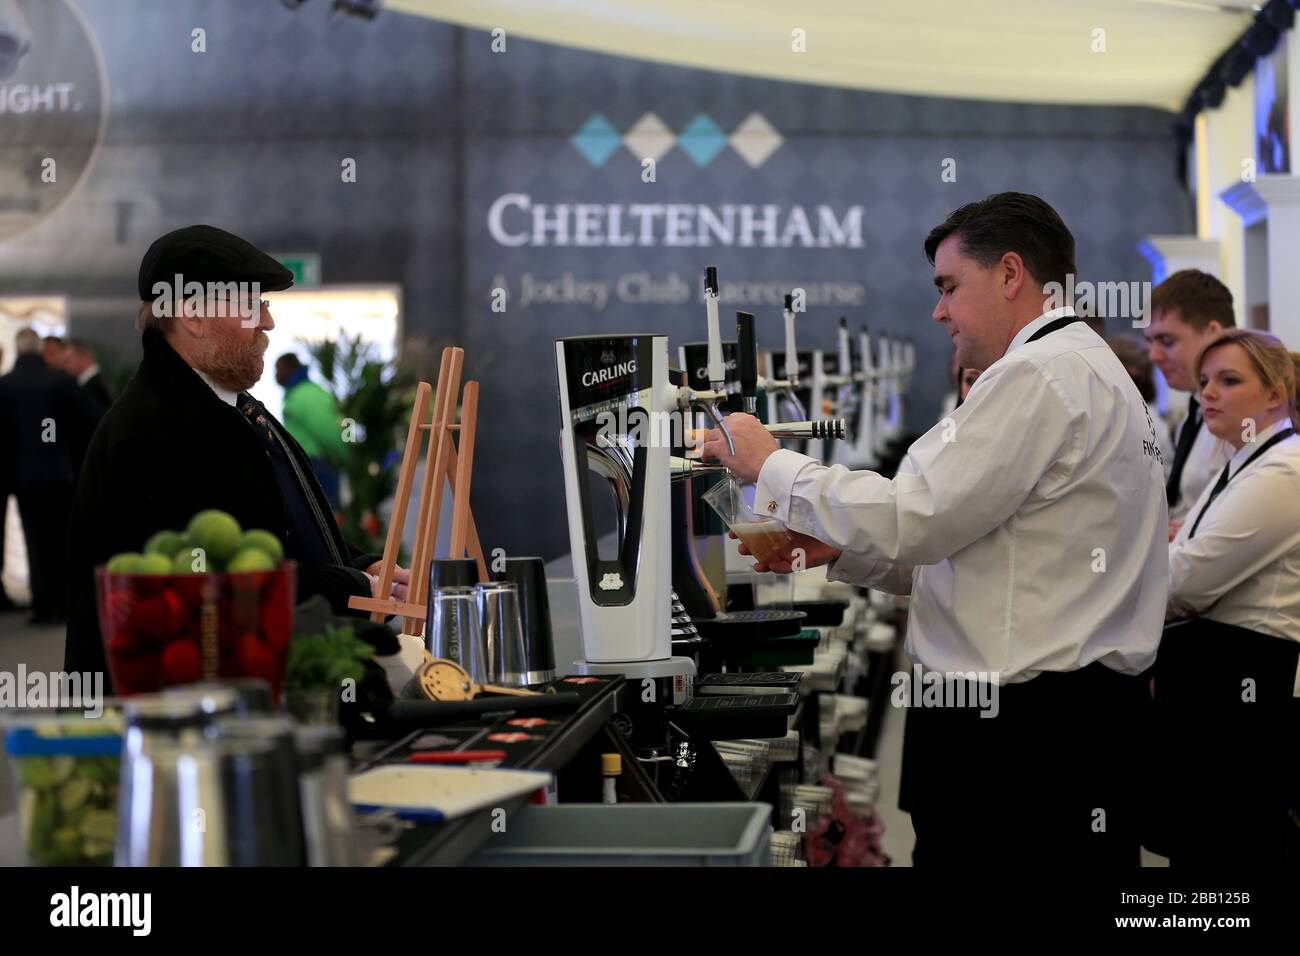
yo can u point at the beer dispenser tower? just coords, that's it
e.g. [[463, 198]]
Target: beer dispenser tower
[[615, 396]]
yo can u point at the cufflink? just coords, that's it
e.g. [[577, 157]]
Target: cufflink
[[771, 507]]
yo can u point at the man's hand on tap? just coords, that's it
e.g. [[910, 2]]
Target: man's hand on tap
[[802, 551], [753, 442]]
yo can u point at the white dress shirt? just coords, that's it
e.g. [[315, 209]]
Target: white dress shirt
[[1200, 471], [1163, 436], [88, 374], [1243, 565], [225, 394], [1030, 527]]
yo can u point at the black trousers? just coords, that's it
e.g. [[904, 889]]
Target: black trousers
[[45, 512], [1224, 782], [1051, 780]]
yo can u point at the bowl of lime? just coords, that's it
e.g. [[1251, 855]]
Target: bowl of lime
[[211, 601]]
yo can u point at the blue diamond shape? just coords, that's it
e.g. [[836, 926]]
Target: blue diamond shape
[[597, 140], [702, 140]]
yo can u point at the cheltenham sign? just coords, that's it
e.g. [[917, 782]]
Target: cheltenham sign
[[514, 219]]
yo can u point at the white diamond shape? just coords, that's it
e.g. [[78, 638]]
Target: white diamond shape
[[649, 138], [755, 139]]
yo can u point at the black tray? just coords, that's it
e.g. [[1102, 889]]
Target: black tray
[[822, 613], [733, 626], [737, 717]]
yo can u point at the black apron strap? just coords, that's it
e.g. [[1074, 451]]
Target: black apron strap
[[1228, 475], [1053, 326]]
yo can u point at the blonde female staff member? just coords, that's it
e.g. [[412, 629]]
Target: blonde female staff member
[[1226, 676]]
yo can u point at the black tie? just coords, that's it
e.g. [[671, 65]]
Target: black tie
[[309, 539], [1186, 439]]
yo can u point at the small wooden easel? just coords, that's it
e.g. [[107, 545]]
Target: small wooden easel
[[442, 463]]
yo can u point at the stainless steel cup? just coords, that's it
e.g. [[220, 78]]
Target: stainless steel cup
[[322, 788], [503, 633], [160, 729], [453, 631], [529, 576], [262, 789]]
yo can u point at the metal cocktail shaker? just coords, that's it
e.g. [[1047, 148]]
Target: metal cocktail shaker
[[529, 576]]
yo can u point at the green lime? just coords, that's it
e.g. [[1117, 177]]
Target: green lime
[[154, 564], [61, 768], [166, 543], [263, 541], [187, 562], [250, 559], [74, 794], [67, 842], [126, 563], [37, 772], [217, 533], [99, 825]]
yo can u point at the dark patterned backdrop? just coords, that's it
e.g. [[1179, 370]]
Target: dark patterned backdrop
[[250, 136]]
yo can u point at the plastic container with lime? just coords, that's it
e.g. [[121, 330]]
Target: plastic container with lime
[[64, 769]]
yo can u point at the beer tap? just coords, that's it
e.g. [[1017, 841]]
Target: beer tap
[[747, 371], [786, 388], [688, 398]]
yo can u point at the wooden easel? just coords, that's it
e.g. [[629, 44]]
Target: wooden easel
[[442, 463]]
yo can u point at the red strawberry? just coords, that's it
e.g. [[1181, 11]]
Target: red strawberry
[[255, 659], [136, 675], [181, 663], [122, 642]]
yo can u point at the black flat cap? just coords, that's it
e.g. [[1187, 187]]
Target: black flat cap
[[208, 254]]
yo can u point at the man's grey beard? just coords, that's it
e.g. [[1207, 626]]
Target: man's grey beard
[[233, 364]]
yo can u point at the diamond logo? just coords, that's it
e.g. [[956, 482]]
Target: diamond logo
[[755, 140], [649, 138], [596, 140], [702, 140]]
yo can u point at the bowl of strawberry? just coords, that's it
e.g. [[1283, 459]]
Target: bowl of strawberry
[[213, 601]]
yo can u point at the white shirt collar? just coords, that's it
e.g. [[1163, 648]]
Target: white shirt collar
[[88, 374], [1248, 449], [227, 396], [1023, 335]]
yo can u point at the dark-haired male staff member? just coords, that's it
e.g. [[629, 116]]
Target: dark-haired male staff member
[[1188, 309], [186, 435], [1031, 535]]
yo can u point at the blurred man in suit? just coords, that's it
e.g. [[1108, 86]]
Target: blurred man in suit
[[6, 602], [52, 351], [79, 362], [46, 421]]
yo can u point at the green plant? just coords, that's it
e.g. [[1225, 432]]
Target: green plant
[[374, 398], [326, 660]]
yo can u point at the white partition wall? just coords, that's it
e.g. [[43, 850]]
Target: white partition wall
[[1269, 209], [1170, 254]]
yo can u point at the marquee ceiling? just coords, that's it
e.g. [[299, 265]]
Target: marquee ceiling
[[1151, 53]]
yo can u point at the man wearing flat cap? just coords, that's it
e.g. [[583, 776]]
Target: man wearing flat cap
[[186, 436]]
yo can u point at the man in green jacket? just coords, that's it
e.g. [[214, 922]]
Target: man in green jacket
[[312, 417]]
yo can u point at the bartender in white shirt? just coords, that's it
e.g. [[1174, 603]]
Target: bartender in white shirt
[[1226, 676], [1030, 530], [1187, 310]]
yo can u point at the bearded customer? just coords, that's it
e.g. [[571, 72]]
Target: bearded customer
[[185, 435]]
